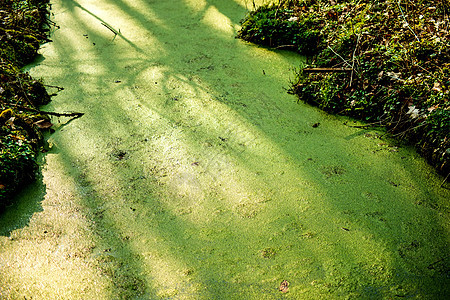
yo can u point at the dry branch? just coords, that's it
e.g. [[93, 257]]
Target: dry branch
[[72, 114], [327, 70]]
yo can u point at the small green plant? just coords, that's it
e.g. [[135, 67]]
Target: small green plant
[[278, 27]]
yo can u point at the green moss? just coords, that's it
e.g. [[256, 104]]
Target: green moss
[[278, 27], [23, 29]]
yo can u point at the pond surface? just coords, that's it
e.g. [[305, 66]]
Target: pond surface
[[194, 175]]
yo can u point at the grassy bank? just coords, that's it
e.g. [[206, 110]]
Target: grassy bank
[[384, 62], [23, 27]]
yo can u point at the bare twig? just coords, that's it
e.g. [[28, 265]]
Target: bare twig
[[407, 24], [353, 59], [407, 130], [112, 29], [445, 180], [326, 70], [366, 125], [72, 114], [55, 86], [337, 54], [284, 46], [24, 92]]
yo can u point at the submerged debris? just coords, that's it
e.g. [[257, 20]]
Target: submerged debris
[[284, 286]]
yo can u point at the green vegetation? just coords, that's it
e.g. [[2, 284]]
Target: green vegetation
[[23, 28], [282, 28], [195, 176], [384, 62]]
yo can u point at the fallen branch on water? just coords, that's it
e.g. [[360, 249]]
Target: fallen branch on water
[[55, 86], [284, 46], [365, 126], [74, 115], [327, 70], [112, 29]]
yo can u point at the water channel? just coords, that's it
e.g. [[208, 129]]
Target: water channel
[[194, 175]]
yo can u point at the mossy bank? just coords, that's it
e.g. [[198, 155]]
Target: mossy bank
[[384, 62], [24, 27]]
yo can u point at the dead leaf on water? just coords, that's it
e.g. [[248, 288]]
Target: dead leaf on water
[[284, 286], [43, 124]]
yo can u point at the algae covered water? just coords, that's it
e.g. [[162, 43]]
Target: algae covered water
[[194, 175]]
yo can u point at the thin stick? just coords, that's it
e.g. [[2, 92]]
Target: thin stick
[[73, 114], [346, 62], [409, 129], [284, 46], [112, 29], [445, 180], [24, 93], [353, 59], [365, 126], [54, 86], [326, 70], [407, 24]]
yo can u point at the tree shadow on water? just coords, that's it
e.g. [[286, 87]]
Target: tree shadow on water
[[25, 204]]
